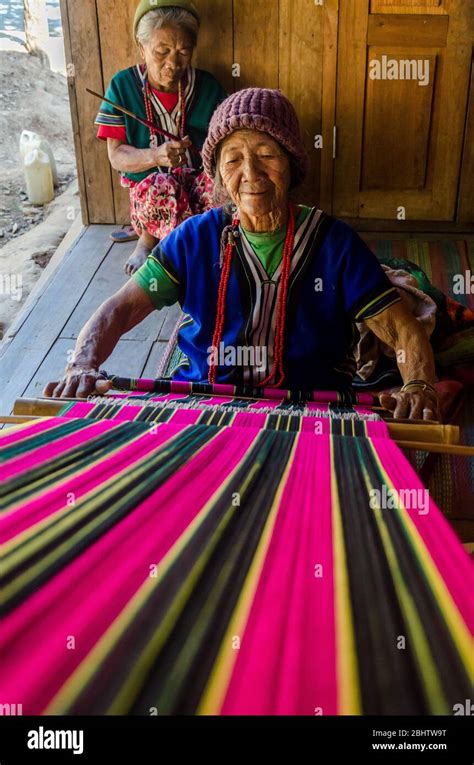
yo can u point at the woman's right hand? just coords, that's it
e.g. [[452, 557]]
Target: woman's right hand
[[78, 382], [172, 153]]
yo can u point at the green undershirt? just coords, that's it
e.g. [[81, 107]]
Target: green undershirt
[[268, 247]]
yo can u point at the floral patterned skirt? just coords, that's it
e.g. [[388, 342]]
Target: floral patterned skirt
[[162, 201]]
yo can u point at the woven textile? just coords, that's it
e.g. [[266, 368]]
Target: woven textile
[[226, 568]]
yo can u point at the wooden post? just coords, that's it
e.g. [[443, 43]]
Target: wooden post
[[36, 26]]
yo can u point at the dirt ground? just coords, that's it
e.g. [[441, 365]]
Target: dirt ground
[[32, 97]]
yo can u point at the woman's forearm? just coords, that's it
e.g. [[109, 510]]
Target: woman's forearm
[[128, 159], [414, 354], [407, 337], [99, 336]]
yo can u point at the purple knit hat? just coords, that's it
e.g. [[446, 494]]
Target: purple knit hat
[[258, 109]]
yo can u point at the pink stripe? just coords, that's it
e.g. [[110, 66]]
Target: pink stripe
[[365, 398], [286, 664], [272, 393], [224, 390], [246, 420], [452, 562], [325, 395], [179, 386], [81, 409], [186, 416], [377, 429], [48, 452], [83, 599], [8, 439], [54, 500]]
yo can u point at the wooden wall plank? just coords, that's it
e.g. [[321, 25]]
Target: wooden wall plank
[[353, 20], [301, 79], [76, 127], [466, 187], [328, 117], [452, 117], [215, 50], [256, 43], [87, 72]]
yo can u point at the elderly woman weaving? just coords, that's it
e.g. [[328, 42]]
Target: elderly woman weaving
[[164, 177], [261, 273]]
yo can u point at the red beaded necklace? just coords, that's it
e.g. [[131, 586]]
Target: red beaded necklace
[[181, 118], [277, 368]]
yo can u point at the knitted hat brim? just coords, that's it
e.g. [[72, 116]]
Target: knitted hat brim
[[300, 163]]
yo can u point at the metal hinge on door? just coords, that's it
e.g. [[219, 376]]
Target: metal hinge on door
[[334, 142]]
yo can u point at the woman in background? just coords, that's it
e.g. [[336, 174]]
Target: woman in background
[[164, 177]]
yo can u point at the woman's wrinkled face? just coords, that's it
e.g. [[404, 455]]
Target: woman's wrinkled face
[[255, 171], [167, 55]]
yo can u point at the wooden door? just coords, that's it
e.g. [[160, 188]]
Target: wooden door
[[402, 94]]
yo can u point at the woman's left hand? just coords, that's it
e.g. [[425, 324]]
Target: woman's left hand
[[412, 404]]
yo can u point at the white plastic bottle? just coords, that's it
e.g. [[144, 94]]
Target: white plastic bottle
[[38, 177], [29, 141]]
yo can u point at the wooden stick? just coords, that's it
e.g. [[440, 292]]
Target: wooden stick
[[42, 407], [14, 419], [457, 450], [147, 124], [423, 431]]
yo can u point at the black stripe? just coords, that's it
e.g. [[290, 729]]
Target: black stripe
[[389, 680]]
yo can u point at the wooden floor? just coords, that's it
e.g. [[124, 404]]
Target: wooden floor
[[35, 350]]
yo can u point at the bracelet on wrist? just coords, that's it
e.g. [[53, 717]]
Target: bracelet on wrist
[[422, 384]]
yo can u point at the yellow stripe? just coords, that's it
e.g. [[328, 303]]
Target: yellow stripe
[[109, 116], [214, 694], [348, 684], [173, 279], [375, 300], [384, 308], [88, 667]]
